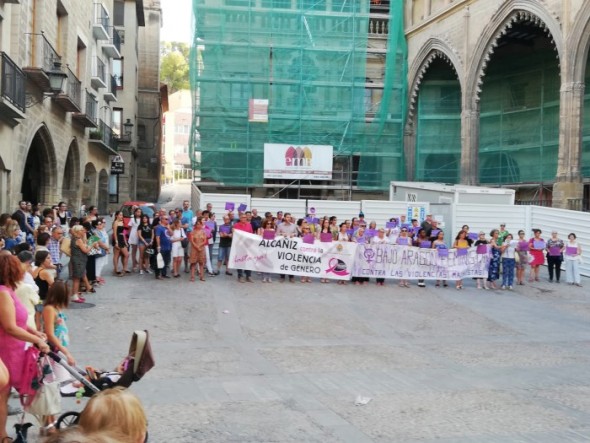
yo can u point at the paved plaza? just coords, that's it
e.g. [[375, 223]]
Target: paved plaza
[[285, 362]]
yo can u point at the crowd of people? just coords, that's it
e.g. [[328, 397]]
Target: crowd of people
[[34, 243]]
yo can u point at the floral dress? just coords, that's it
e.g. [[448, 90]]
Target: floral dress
[[494, 268]]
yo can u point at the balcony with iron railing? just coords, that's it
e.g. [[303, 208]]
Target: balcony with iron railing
[[110, 95], [98, 78], [42, 58], [101, 23], [69, 99], [112, 48], [105, 138], [12, 89], [88, 118]]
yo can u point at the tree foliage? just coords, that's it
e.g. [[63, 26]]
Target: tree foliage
[[174, 69]]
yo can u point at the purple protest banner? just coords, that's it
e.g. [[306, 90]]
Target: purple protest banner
[[229, 206], [571, 250], [523, 246], [482, 249], [425, 244], [225, 229], [308, 238], [312, 210], [434, 232], [242, 207], [461, 252], [391, 225], [361, 240], [268, 234], [554, 251], [309, 219], [539, 244], [210, 225], [350, 231], [472, 235], [325, 237], [406, 225], [443, 252], [370, 233], [402, 240]]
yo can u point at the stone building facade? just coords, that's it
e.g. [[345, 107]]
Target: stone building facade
[[58, 145], [509, 63]]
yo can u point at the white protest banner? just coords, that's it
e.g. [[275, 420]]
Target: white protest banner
[[291, 256], [408, 262]]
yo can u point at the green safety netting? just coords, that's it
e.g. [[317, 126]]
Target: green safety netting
[[309, 58], [586, 125]]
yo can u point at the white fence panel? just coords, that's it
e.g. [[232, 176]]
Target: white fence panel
[[341, 209], [564, 222], [381, 211], [296, 207], [488, 217], [196, 196], [219, 200]]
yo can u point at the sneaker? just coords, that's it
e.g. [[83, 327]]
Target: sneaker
[[241, 279], [149, 271], [510, 288], [422, 285], [503, 287], [268, 280], [141, 272]]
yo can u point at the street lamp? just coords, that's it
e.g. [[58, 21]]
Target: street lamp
[[57, 79], [127, 131]]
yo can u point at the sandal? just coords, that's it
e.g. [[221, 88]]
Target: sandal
[[202, 279]]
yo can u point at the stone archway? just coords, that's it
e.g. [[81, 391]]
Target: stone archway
[[103, 192], [39, 183], [89, 185], [70, 187]]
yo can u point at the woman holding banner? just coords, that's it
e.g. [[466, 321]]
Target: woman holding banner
[[359, 237], [404, 240], [439, 243], [461, 243], [380, 239], [268, 225]]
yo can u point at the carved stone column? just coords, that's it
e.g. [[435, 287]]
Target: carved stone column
[[469, 146], [569, 177]]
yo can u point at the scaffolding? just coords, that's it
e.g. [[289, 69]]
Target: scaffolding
[[310, 62]]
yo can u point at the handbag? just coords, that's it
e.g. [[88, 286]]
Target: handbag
[[47, 401], [66, 246], [184, 241], [150, 251], [160, 260]]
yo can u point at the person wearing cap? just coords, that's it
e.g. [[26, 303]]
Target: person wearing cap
[[502, 233]]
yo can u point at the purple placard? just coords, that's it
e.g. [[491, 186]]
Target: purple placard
[[443, 252], [523, 245], [482, 249], [325, 237], [473, 235], [210, 225], [434, 232], [225, 229], [361, 240], [554, 251], [242, 207], [539, 244], [461, 252], [229, 206], [350, 231], [426, 244], [312, 220], [370, 233], [268, 234], [312, 210], [402, 240], [391, 225], [309, 239], [406, 225], [416, 229], [571, 250]]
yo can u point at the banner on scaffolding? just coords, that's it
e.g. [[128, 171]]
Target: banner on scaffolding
[[343, 260], [305, 162]]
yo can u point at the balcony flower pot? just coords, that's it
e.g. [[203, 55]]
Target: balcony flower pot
[[95, 135]]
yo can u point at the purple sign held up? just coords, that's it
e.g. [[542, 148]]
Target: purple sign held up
[[312, 220], [312, 210], [361, 240], [554, 251], [350, 231], [308, 238], [229, 206], [391, 225], [370, 233], [406, 225], [523, 246], [539, 244], [472, 235], [425, 244], [242, 207], [225, 229], [325, 237], [434, 232], [482, 249], [571, 250], [461, 252], [268, 234], [210, 225], [443, 252], [402, 240]]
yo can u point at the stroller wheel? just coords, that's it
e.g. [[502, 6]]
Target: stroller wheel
[[67, 419]]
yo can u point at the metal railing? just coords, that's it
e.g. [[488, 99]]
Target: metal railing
[[545, 203], [12, 86], [114, 85], [101, 15], [73, 88], [99, 70], [91, 107], [578, 204], [115, 38], [105, 134], [43, 55]]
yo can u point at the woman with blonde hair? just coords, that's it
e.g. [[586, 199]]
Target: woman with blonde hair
[[117, 410], [79, 257]]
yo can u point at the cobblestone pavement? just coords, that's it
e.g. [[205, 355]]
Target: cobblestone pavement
[[284, 362]]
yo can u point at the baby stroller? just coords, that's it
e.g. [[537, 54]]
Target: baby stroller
[[138, 362]]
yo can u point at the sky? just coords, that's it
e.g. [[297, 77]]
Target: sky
[[177, 20]]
